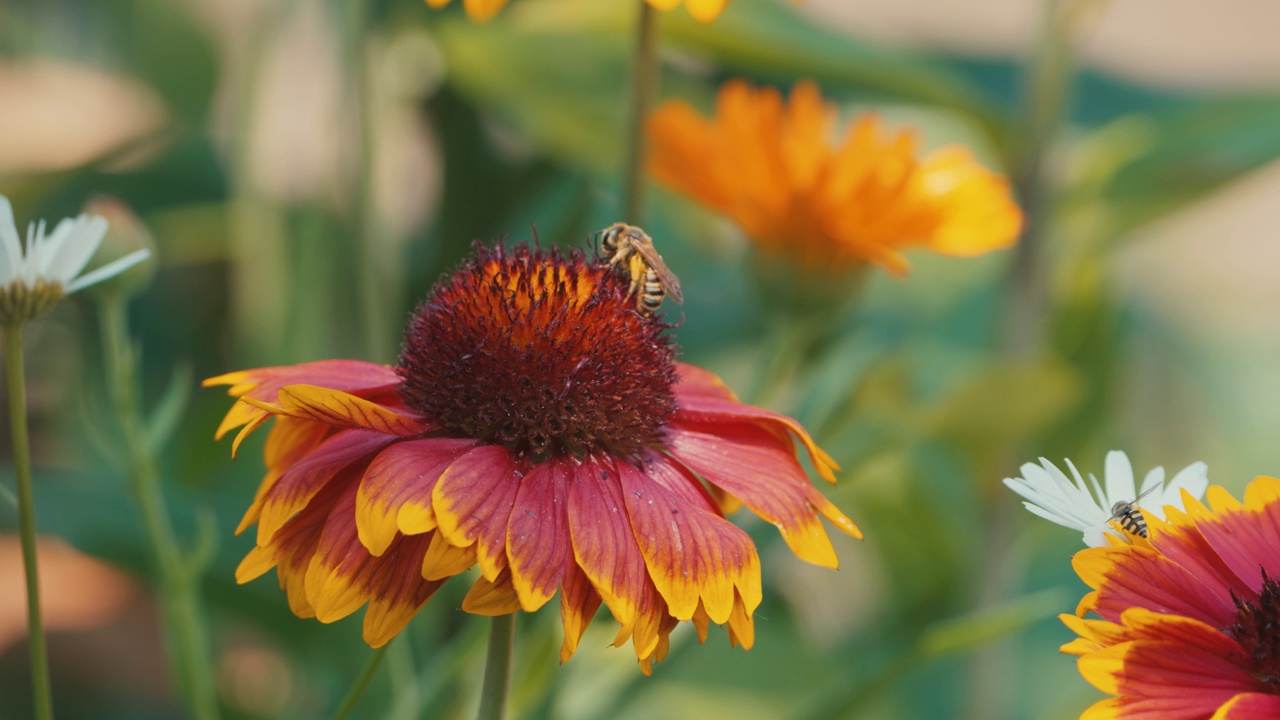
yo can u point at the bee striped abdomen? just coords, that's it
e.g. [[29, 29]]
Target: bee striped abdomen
[[1130, 518], [652, 294]]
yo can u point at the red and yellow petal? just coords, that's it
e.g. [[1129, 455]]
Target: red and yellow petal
[[710, 410], [1160, 665], [758, 468], [579, 602], [1250, 706], [300, 483], [444, 559], [1136, 576], [472, 502], [343, 576], [1241, 533], [539, 549], [341, 409], [606, 550], [492, 597], [693, 555], [395, 492], [263, 383]]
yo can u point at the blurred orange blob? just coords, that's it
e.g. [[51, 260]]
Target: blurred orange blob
[[772, 167], [76, 591], [701, 10]]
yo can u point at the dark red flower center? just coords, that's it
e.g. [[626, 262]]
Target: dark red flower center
[[1257, 629], [539, 352]]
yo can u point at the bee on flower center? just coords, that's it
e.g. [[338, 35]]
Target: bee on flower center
[[1129, 516], [630, 247]]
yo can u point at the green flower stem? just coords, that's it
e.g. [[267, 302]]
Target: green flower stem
[[497, 668], [178, 575], [42, 698], [362, 683], [644, 88]]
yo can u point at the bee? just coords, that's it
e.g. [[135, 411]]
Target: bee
[[1129, 516], [651, 280]]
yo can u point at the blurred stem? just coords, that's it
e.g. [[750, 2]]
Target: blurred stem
[[403, 674], [644, 88], [497, 668], [42, 698], [179, 575], [362, 683], [1046, 91]]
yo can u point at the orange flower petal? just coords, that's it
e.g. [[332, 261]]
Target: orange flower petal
[[774, 168]]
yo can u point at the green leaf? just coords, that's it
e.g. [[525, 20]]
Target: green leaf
[[988, 625], [167, 414]]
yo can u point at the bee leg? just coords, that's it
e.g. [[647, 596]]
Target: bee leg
[[638, 271]]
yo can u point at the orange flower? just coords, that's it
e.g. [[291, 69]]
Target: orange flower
[[701, 10], [1190, 624], [537, 426], [478, 10], [773, 169]]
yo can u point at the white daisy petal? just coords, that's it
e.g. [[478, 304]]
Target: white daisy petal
[[1119, 481], [115, 267], [10, 245], [83, 238], [1073, 503]]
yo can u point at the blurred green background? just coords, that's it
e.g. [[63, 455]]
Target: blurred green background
[[310, 167]]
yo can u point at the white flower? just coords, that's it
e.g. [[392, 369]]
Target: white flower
[[1052, 496], [34, 276]]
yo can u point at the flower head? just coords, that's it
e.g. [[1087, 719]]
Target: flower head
[[536, 426], [34, 276], [1190, 617], [772, 167], [1091, 507]]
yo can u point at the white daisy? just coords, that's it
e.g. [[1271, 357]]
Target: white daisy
[[35, 275], [1087, 507]]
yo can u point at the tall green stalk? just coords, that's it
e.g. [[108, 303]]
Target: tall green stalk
[[42, 697], [179, 572], [497, 668], [1003, 562], [644, 89], [362, 683]]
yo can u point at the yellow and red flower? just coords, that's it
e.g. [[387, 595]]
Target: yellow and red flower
[[772, 167], [538, 427], [1190, 624]]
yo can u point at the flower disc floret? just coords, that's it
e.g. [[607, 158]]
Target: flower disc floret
[[541, 353]]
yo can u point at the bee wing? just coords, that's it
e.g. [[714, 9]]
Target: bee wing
[[644, 247]]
